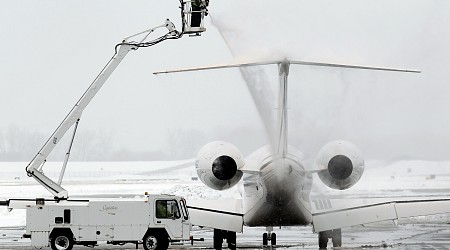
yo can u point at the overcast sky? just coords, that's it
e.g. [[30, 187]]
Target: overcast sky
[[52, 50]]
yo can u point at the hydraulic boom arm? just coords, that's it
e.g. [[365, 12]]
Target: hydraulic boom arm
[[34, 168], [73, 117]]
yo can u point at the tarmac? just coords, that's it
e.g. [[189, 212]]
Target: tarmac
[[420, 233]]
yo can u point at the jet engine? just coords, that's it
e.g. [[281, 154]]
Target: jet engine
[[218, 165], [340, 164]]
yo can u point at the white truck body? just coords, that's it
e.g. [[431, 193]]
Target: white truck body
[[116, 221]]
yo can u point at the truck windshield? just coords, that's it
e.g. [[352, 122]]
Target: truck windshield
[[184, 209]]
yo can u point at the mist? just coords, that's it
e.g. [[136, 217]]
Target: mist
[[391, 116], [54, 50]]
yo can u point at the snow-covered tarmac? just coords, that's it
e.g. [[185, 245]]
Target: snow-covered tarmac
[[409, 235], [399, 180]]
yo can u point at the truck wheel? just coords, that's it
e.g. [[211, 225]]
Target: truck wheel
[[156, 242], [61, 242]]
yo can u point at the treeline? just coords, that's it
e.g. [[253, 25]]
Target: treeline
[[18, 144]]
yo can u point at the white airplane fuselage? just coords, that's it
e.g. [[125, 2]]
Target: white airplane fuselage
[[279, 194]]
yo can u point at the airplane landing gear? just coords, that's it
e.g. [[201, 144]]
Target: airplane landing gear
[[218, 239], [335, 235], [269, 236], [231, 240], [220, 235]]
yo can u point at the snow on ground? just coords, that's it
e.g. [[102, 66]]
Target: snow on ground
[[400, 180], [104, 179]]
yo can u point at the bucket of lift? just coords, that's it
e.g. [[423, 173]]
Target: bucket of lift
[[194, 12]]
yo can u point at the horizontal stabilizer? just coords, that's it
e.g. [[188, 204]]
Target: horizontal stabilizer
[[317, 64], [222, 66], [334, 65]]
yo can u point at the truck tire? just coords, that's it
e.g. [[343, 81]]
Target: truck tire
[[154, 241], [61, 242]]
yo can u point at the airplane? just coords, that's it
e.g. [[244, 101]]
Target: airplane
[[277, 179]]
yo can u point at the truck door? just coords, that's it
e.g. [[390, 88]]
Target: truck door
[[168, 214]]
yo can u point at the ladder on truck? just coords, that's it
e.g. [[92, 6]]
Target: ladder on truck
[[190, 12]]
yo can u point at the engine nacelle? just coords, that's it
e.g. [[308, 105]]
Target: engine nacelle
[[218, 165], [340, 164]]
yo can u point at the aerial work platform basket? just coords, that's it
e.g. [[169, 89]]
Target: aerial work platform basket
[[194, 12]]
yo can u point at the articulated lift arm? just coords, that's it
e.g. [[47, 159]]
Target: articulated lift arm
[[34, 168]]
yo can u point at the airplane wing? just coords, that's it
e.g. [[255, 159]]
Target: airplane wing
[[225, 214], [251, 167], [306, 63], [187, 164], [326, 218]]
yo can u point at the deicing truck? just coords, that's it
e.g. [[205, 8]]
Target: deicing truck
[[154, 220]]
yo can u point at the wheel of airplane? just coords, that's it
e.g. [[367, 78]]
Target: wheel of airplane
[[273, 239], [323, 240], [218, 239], [265, 239], [231, 240], [337, 238]]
